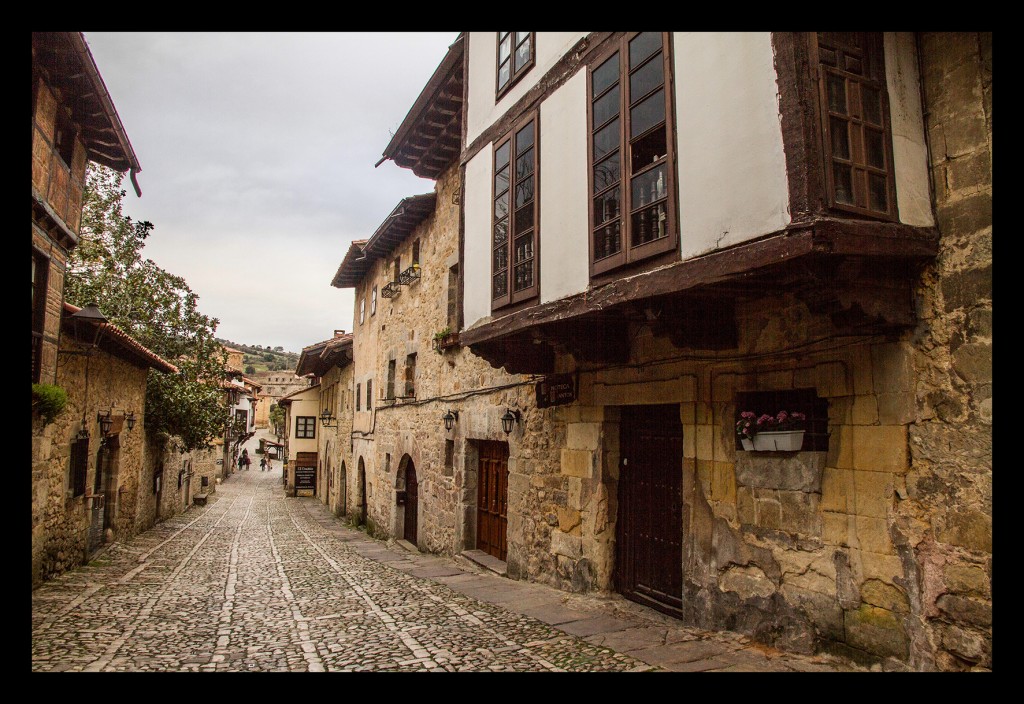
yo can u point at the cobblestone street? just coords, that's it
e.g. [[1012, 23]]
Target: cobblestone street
[[255, 581]]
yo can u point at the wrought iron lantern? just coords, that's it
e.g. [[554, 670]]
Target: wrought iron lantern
[[509, 420], [449, 419], [129, 418], [106, 422], [327, 419]]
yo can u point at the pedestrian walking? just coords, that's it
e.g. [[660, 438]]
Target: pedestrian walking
[[270, 464], [263, 464], [243, 461]]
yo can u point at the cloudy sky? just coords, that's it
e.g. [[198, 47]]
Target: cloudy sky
[[257, 154]]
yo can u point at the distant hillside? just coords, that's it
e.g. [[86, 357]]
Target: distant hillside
[[263, 359]]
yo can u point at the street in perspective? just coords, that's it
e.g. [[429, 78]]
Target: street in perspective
[[258, 582]]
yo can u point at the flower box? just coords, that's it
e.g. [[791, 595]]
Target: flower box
[[779, 441], [447, 341]]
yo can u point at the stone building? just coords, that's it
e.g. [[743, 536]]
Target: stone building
[[328, 366], [301, 412], [651, 234], [275, 386], [90, 484]]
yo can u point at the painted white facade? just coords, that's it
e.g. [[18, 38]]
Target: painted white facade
[[483, 69], [304, 403], [563, 181], [909, 150], [731, 164]]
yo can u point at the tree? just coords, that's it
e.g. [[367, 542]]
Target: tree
[[152, 305], [250, 369]]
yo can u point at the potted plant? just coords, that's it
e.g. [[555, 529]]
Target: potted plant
[[783, 431], [443, 339]]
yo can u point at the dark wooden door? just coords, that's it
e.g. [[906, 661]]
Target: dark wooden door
[[492, 499], [411, 502], [649, 530]]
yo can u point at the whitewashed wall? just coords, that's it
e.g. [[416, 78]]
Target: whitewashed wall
[[304, 405], [564, 258], [909, 150], [483, 67], [732, 168]]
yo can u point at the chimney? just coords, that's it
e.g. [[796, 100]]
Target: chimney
[[339, 333]]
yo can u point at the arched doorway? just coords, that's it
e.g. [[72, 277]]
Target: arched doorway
[[343, 491], [411, 500], [361, 494]]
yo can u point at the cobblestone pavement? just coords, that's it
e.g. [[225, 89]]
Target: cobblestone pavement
[[255, 581]]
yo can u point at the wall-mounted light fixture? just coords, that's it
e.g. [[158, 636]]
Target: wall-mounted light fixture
[[106, 422], [129, 418], [327, 419], [509, 420], [90, 315], [449, 419]]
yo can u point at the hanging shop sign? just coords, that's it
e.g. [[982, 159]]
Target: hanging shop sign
[[556, 390]]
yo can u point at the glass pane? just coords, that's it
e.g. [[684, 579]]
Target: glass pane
[[606, 206], [649, 224], [606, 140], [524, 139], [647, 114], [524, 248], [501, 180], [642, 46], [843, 183], [874, 148], [524, 276], [522, 55], [520, 36], [524, 219], [500, 232], [500, 283], [524, 165], [878, 197], [500, 259], [501, 155], [505, 47], [607, 240], [871, 104], [503, 74], [646, 79], [606, 173], [606, 107], [853, 64], [836, 88], [840, 130], [649, 187], [605, 75], [648, 149], [501, 206], [524, 191]]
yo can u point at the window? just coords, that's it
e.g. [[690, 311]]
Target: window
[[398, 268], [362, 310], [453, 298], [64, 137], [515, 57], [305, 427], [79, 466], [410, 375], [513, 263], [389, 393], [855, 123], [359, 389], [415, 252], [40, 276], [449, 457], [632, 213], [373, 301], [369, 394]]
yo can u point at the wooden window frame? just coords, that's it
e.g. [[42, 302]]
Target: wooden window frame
[[373, 302], [514, 74], [40, 285], [362, 310], [309, 431], [359, 396], [829, 61], [453, 298], [667, 244], [78, 467], [410, 375], [369, 394], [389, 390], [511, 296]]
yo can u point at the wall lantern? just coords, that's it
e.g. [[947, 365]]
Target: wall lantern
[[106, 422], [130, 419], [327, 419], [509, 420], [90, 315], [449, 419]]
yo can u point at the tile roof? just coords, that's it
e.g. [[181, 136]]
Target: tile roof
[[117, 342]]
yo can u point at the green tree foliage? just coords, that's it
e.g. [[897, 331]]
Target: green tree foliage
[[152, 305]]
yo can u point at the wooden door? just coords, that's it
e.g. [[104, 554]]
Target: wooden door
[[649, 530], [411, 502], [492, 499]]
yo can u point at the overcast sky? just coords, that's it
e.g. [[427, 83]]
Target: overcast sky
[[257, 154]]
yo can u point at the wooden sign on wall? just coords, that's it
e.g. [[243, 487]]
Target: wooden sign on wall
[[556, 390]]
